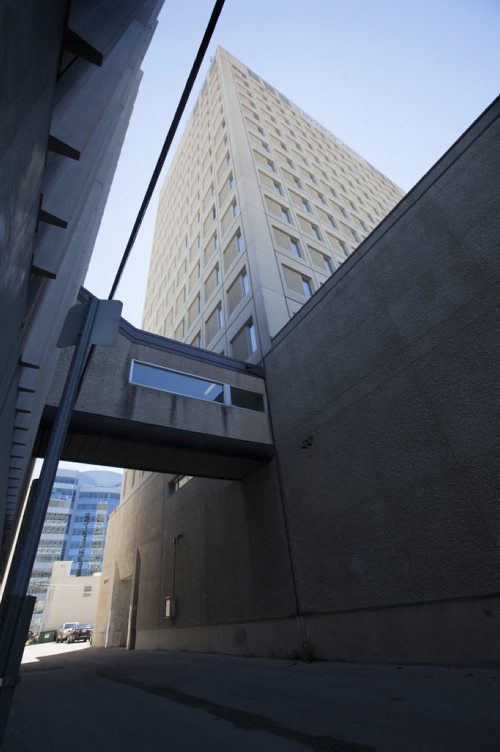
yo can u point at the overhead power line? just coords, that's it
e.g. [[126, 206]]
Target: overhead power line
[[168, 141]]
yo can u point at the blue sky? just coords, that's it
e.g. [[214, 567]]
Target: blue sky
[[397, 81]]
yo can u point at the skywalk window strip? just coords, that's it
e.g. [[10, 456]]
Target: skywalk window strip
[[186, 385]]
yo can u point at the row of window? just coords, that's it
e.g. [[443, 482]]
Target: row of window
[[315, 136], [155, 292], [328, 184], [194, 170], [236, 292], [235, 244], [238, 289], [179, 181], [99, 495], [284, 212], [327, 202]]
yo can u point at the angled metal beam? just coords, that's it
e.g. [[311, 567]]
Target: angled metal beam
[[51, 219], [74, 43], [60, 147]]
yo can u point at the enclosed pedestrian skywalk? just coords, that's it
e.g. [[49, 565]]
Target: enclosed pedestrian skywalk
[[150, 403]]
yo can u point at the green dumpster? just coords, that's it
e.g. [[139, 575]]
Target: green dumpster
[[48, 636]]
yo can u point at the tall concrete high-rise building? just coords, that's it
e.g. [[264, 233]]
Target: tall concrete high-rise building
[[261, 205]]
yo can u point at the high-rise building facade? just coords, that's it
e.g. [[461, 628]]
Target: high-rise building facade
[[53, 538], [74, 528], [261, 205]]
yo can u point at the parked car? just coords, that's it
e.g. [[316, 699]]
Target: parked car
[[80, 632], [65, 630]]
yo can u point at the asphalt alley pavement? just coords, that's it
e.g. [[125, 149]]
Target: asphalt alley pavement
[[83, 699]]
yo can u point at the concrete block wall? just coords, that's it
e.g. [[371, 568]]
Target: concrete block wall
[[389, 459]]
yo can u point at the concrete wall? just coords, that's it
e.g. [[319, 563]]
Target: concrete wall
[[50, 91], [30, 44], [231, 563], [69, 598], [389, 460], [373, 535]]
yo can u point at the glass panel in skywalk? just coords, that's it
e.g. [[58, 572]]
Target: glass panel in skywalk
[[155, 377]]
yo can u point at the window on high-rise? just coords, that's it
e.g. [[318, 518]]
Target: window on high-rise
[[240, 243], [193, 310], [214, 323], [297, 282], [235, 246], [286, 242], [179, 331], [277, 209], [306, 287], [244, 343], [321, 260], [212, 281], [316, 232], [239, 289], [285, 214]]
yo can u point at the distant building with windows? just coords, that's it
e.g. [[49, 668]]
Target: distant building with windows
[[74, 529]]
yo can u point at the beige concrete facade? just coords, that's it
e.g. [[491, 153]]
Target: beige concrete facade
[[261, 206], [70, 598]]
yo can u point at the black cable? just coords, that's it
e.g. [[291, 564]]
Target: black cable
[[168, 141]]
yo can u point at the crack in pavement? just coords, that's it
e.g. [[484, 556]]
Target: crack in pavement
[[241, 718]]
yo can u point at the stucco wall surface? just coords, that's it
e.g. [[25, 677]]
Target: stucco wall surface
[[389, 458]]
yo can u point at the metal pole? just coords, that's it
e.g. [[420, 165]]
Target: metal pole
[[173, 567], [16, 586]]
